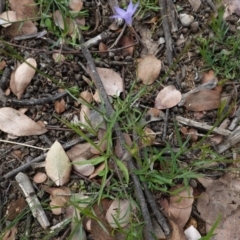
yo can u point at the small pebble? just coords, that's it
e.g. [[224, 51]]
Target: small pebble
[[186, 19], [194, 27]]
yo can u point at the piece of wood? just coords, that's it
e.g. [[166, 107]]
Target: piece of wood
[[32, 200], [203, 126], [232, 140]]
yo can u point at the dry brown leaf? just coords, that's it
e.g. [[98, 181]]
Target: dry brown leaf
[[85, 111], [112, 81], [2, 65], [7, 18], [15, 208], [102, 144], [58, 166], [102, 47], [126, 41], [233, 6], [120, 212], [59, 196], [177, 232], [76, 5], [23, 76], [203, 100], [40, 177], [221, 197], [148, 69], [82, 150], [60, 106], [10, 234], [84, 169], [195, 4], [118, 149], [180, 205], [18, 124], [56, 210], [58, 57], [168, 97], [63, 23], [25, 9], [100, 228], [20, 29], [97, 170]]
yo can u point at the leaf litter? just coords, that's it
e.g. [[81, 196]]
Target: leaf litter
[[58, 166]]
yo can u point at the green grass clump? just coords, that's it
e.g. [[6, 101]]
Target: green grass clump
[[221, 50]]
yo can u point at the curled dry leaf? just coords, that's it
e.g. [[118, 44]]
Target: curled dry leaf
[[85, 111], [76, 5], [97, 170], [10, 234], [120, 212], [18, 124], [100, 228], [148, 69], [118, 150], [7, 18], [168, 97], [112, 81], [20, 29], [63, 23], [102, 144], [58, 166], [15, 208], [23, 76], [25, 9], [180, 205], [59, 196], [84, 169], [82, 150], [40, 177], [126, 41]]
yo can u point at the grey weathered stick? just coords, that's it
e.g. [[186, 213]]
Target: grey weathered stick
[[233, 139], [110, 113], [32, 200], [203, 126], [235, 120], [167, 32]]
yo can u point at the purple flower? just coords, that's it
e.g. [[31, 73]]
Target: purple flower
[[126, 15]]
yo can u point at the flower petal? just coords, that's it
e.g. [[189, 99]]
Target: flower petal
[[116, 16], [120, 11], [130, 7], [128, 19]]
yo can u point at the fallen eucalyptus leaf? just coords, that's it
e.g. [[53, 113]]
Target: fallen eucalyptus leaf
[[18, 124], [168, 97], [58, 166]]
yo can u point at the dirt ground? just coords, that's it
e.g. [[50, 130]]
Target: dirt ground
[[46, 100]]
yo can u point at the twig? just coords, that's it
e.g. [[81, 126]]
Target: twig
[[23, 144], [25, 166], [166, 30], [5, 78], [203, 126], [110, 113], [233, 139], [165, 125], [40, 101]]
